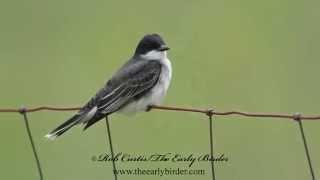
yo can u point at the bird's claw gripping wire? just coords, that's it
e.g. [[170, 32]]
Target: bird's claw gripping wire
[[149, 108]]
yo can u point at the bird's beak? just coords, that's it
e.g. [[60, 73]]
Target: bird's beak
[[164, 48]]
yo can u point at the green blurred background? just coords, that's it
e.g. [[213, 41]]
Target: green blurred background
[[245, 55]]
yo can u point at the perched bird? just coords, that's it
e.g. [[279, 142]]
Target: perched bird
[[141, 82]]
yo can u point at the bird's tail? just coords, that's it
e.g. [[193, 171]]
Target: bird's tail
[[64, 126]]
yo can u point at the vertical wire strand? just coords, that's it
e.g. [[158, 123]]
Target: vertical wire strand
[[306, 149], [24, 113], [211, 147], [111, 149]]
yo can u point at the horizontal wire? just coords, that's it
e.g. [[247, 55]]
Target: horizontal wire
[[173, 108]]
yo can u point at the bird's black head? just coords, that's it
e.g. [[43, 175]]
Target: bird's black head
[[149, 43]]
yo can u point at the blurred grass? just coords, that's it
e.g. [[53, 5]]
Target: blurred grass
[[248, 55]]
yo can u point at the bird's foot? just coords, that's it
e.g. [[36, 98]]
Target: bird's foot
[[149, 107]]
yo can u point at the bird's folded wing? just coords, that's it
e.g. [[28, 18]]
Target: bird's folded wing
[[134, 83]]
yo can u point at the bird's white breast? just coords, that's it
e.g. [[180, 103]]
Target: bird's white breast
[[156, 94], [160, 89]]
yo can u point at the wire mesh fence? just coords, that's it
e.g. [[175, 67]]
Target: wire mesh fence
[[210, 113]]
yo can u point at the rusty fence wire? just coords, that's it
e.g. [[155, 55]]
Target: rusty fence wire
[[210, 113]]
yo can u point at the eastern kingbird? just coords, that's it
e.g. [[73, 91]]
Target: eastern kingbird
[[141, 82]]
